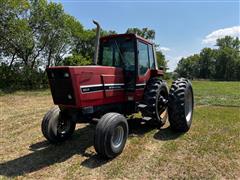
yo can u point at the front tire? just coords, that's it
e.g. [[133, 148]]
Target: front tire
[[56, 126], [111, 135], [181, 104]]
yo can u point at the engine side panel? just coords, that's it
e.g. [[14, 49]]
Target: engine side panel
[[92, 85]]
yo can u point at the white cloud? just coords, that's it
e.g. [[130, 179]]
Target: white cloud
[[164, 49], [212, 37]]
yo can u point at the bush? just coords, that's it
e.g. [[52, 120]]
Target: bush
[[76, 60], [21, 78]]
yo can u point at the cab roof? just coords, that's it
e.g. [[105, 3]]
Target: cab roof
[[131, 35]]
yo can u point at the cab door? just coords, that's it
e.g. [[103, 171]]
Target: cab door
[[129, 57], [145, 64]]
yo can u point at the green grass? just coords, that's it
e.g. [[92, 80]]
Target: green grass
[[213, 139], [217, 93], [210, 150]]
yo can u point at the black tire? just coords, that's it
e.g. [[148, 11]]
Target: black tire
[[57, 127], [156, 97], [181, 103], [107, 130]]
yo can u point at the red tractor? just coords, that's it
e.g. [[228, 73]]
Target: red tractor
[[124, 80]]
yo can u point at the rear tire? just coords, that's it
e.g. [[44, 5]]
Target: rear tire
[[57, 127], [111, 135], [156, 97], [180, 105]]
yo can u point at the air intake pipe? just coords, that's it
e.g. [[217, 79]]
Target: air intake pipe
[[96, 42]]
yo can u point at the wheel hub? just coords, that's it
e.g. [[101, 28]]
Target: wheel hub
[[162, 104], [63, 127], [117, 137]]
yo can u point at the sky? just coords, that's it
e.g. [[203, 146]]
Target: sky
[[183, 27]]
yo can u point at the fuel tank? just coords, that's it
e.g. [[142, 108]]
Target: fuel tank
[[83, 86]]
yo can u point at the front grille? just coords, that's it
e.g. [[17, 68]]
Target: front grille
[[61, 86]]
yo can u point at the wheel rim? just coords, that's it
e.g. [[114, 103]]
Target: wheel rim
[[63, 127], [188, 105], [117, 137], [162, 99]]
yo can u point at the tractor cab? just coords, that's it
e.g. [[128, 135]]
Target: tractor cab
[[134, 54]]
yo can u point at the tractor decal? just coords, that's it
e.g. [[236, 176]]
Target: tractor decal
[[140, 86], [101, 87]]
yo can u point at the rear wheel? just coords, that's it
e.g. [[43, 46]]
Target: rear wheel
[[181, 104], [56, 126], [156, 98], [111, 135]]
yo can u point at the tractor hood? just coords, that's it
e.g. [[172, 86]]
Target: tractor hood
[[82, 86]]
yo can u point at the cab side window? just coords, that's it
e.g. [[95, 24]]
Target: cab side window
[[151, 56], [107, 56], [143, 58]]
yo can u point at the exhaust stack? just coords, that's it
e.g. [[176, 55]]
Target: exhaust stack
[[96, 42]]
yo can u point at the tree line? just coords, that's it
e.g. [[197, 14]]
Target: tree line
[[221, 63], [36, 34]]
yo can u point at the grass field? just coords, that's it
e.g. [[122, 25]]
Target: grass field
[[210, 150]]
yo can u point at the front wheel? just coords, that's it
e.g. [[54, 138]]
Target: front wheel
[[180, 107], [56, 126], [111, 135]]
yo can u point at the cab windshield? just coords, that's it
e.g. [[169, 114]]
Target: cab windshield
[[118, 52]]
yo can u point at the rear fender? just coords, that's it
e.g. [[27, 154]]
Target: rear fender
[[156, 72]]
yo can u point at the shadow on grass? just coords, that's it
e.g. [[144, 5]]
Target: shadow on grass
[[138, 127], [166, 134], [45, 154]]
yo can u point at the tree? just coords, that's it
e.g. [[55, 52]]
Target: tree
[[222, 63], [189, 67], [229, 42], [228, 58], [15, 35], [162, 63], [207, 63], [34, 34], [53, 30], [227, 64], [38, 33]]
